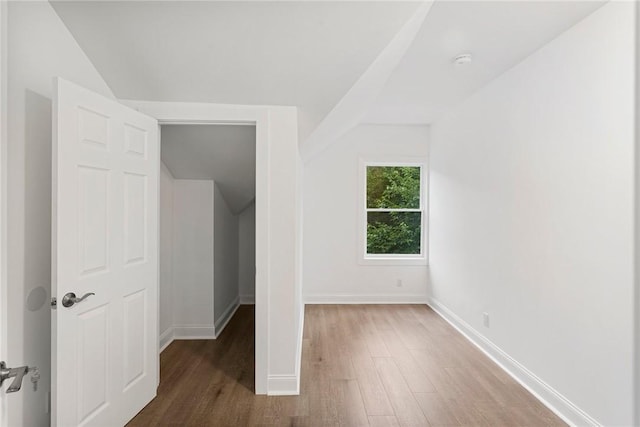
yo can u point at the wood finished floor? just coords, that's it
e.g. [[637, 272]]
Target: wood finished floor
[[362, 365]]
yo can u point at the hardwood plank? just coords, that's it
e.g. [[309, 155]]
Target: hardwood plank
[[373, 393], [435, 325], [414, 376], [374, 339], [404, 405], [323, 405], [351, 411], [437, 375], [466, 413], [436, 409], [410, 331], [383, 421], [379, 315], [497, 415], [426, 373], [467, 384]]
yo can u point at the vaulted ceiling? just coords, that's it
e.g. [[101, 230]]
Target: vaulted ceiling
[[301, 53], [339, 62], [309, 54], [498, 35]]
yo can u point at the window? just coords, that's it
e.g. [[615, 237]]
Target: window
[[394, 223]]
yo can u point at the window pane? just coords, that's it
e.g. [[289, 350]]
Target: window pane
[[393, 232], [393, 187]]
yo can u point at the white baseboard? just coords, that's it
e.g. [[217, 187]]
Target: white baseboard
[[198, 332], [299, 350], [555, 401], [247, 299], [288, 385], [194, 332], [185, 332], [166, 338], [283, 385], [224, 318], [365, 299]]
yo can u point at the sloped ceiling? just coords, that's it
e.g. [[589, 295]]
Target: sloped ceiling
[[301, 53], [223, 153], [339, 62], [498, 34]]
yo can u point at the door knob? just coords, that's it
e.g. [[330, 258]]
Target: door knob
[[17, 374], [70, 299]]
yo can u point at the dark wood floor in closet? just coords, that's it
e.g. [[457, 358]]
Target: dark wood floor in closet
[[376, 365]]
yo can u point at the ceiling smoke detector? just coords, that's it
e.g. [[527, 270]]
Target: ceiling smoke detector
[[463, 59]]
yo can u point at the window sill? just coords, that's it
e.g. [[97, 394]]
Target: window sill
[[381, 261]]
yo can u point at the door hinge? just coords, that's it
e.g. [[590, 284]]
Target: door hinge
[[54, 303]]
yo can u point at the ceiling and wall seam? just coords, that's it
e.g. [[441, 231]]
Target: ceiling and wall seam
[[349, 110]]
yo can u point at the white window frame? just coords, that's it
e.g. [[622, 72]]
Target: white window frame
[[393, 259]]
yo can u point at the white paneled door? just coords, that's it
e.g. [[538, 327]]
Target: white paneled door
[[105, 247]]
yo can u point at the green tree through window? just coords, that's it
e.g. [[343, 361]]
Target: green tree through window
[[394, 210]]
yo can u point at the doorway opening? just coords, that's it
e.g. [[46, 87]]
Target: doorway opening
[[207, 229]]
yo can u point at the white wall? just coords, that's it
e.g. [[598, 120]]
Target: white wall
[[165, 327], [39, 48], [532, 217], [332, 272], [247, 254], [284, 252], [225, 260], [199, 250], [193, 252]]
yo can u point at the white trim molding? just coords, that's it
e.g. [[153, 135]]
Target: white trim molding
[[420, 260], [546, 394], [185, 332], [636, 311], [299, 355], [247, 299], [194, 332], [166, 338], [200, 113], [289, 385], [198, 332], [4, 323], [283, 385], [277, 157], [224, 318], [366, 299]]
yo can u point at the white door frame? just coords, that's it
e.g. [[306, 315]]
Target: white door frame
[[636, 302], [3, 200], [195, 113]]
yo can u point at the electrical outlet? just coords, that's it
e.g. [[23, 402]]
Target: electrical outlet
[[399, 283], [485, 319]]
